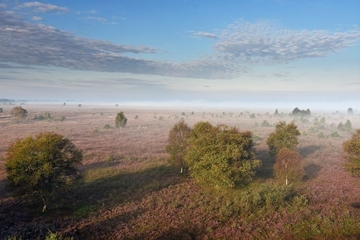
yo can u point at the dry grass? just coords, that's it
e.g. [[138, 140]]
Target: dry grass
[[130, 191]]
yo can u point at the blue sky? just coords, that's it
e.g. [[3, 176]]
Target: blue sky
[[211, 52]]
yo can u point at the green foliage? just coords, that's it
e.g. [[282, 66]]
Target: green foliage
[[347, 127], [321, 135], [107, 126], [177, 143], [301, 113], [56, 236], [42, 164], [252, 116], [351, 149], [288, 166], [259, 201], [221, 156], [96, 130], [284, 136], [120, 120], [335, 134], [265, 124], [19, 111]]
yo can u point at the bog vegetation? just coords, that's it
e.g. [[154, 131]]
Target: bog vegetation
[[209, 175]]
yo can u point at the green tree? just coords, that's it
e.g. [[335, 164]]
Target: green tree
[[42, 165], [177, 143], [352, 153], [120, 120], [221, 156], [19, 111], [288, 166], [284, 136]]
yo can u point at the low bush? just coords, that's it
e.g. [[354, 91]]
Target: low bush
[[18, 112]]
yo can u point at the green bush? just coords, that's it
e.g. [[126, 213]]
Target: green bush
[[335, 134], [107, 126], [42, 164], [221, 156], [120, 120], [177, 143], [284, 136], [265, 124], [351, 149]]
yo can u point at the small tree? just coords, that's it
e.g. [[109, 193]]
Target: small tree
[[19, 111], [288, 166], [120, 120], [1, 110], [284, 136], [352, 153], [177, 143], [42, 165], [350, 111], [221, 156]]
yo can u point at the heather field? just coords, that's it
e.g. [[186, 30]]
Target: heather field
[[130, 191]]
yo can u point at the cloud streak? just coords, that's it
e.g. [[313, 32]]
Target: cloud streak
[[235, 50], [45, 8], [266, 42]]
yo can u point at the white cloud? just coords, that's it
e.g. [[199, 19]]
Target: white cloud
[[36, 18], [43, 7], [266, 42], [236, 50], [205, 35]]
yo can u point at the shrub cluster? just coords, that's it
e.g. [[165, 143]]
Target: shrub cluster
[[19, 111], [218, 156]]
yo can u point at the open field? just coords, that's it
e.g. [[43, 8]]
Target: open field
[[131, 192]]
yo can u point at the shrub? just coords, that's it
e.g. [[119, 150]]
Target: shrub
[[351, 149], [18, 112], [221, 156], [350, 111], [1, 110], [321, 135], [335, 134], [265, 124], [42, 164], [301, 113], [107, 126], [136, 117], [284, 136], [39, 117], [288, 166], [120, 120], [177, 143]]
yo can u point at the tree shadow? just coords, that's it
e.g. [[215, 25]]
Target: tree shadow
[[311, 171], [308, 150], [355, 205], [84, 200], [267, 161]]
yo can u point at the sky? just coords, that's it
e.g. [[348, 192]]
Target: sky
[[233, 52]]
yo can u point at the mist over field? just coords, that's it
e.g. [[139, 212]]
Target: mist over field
[[179, 111]]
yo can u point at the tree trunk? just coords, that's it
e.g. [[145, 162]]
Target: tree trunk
[[44, 202]]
